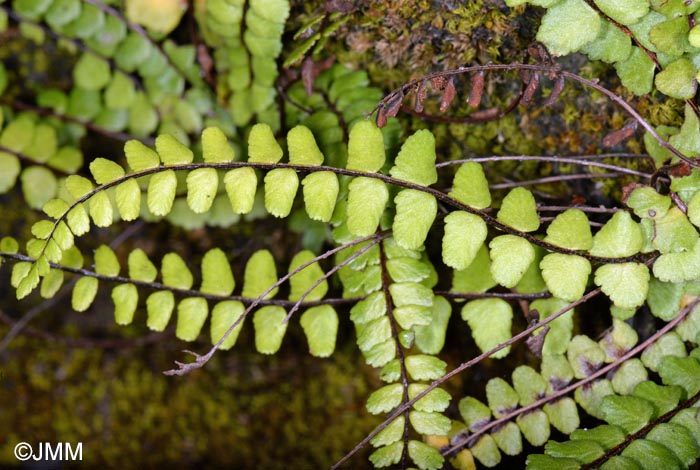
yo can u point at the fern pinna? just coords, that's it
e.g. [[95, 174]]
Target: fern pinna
[[381, 222]]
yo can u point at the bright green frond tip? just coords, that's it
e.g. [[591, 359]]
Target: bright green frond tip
[[571, 230], [262, 145], [470, 186], [365, 147], [302, 147], [416, 159], [519, 210], [215, 146]]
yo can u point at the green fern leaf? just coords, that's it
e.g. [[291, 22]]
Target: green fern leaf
[[563, 415], [620, 236], [159, 306], [431, 338], [367, 199], [172, 152], [125, 298], [106, 262], [139, 157], [509, 439], [140, 267], [105, 171], [39, 185], [202, 185], [436, 400], [415, 213], [486, 451], [127, 196], [678, 439], [368, 309], [510, 258], [302, 281], [385, 399], [51, 283], [281, 186], [535, 427], [217, 278], [223, 315], [215, 146], [465, 233], [387, 456], [241, 185], [100, 209], [365, 147], [547, 462], [626, 284], [302, 147], [416, 159], [424, 367], [581, 450], [389, 434], [320, 326], [571, 230], [84, 293], [372, 333], [269, 328], [566, 275], [191, 315], [9, 170], [430, 423], [320, 194], [260, 274], [470, 186], [519, 210], [161, 192], [678, 267], [79, 186], [650, 454], [262, 146], [78, 220], [175, 272]]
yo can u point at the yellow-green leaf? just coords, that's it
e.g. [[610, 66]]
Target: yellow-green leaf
[[84, 293], [464, 235], [626, 284], [260, 274], [365, 147], [367, 199], [415, 213], [416, 159], [159, 306], [217, 277], [619, 237], [519, 210], [175, 272], [566, 275], [262, 145], [125, 298], [215, 146], [490, 321], [171, 151], [127, 196], [161, 192], [320, 326], [510, 258], [140, 267], [191, 314], [241, 184], [302, 147], [281, 186], [223, 315], [101, 209], [269, 328], [106, 262], [202, 185], [571, 230], [139, 157], [320, 194]]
